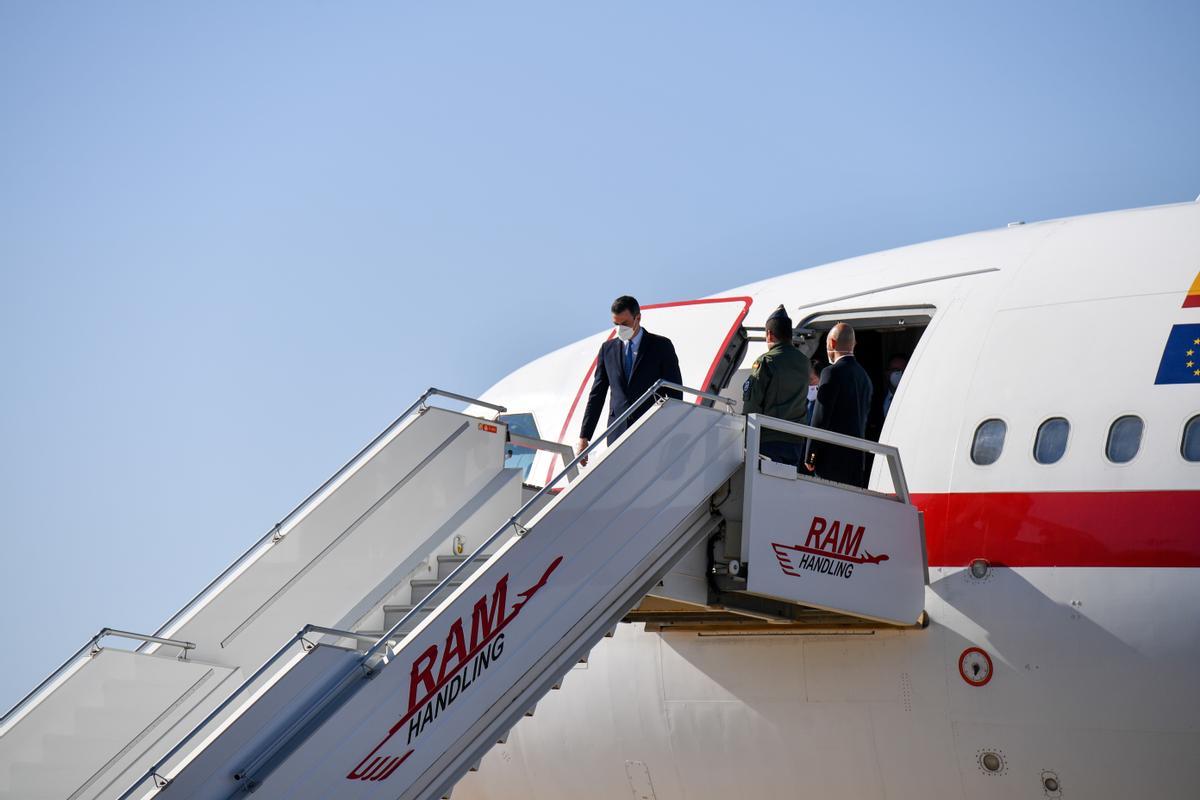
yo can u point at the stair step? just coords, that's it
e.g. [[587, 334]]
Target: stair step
[[420, 589], [393, 614], [447, 564]]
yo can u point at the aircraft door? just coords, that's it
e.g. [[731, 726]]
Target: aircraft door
[[828, 545], [709, 341]]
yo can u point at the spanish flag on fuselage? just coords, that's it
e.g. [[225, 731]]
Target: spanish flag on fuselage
[[1193, 296]]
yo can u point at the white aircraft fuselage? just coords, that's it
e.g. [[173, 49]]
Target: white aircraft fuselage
[[1087, 612]]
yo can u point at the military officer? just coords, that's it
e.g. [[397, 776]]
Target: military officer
[[778, 387]]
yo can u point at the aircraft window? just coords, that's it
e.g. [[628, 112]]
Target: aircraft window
[[988, 442], [1051, 440], [1191, 439], [1124, 439], [518, 456]]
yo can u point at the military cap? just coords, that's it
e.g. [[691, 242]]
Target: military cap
[[780, 313]]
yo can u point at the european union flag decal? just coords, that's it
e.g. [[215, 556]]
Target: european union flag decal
[[1181, 357]]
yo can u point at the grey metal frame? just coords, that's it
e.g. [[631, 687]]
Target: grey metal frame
[[364, 665], [90, 649], [343, 535], [513, 520], [561, 450], [276, 533], [821, 435], [157, 638], [755, 422]]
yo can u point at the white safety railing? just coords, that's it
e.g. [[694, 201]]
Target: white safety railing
[[370, 659], [161, 637], [91, 648], [760, 421]]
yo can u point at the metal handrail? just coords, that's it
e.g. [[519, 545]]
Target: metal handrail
[[92, 648], [512, 521], [277, 532], [315, 708], [563, 451], [389, 635], [842, 440], [228, 701], [158, 638], [341, 634]]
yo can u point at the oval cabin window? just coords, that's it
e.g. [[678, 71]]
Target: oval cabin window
[[988, 442], [1191, 439], [1051, 441], [1124, 439]]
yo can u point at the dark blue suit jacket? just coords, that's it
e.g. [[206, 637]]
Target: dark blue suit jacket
[[655, 360], [843, 401]]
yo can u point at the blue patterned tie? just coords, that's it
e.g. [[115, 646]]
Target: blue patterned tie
[[628, 360]]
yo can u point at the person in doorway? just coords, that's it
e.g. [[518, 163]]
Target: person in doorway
[[895, 370], [778, 387], [843, 402], [814, 380], [627, 366]]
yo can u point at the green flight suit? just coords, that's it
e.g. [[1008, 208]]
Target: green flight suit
[[778, 387]]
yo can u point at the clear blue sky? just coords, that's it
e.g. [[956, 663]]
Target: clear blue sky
[[237, 239]]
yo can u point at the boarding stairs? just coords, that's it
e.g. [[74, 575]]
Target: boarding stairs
[[432, 482], [466, 659], [448, 599]]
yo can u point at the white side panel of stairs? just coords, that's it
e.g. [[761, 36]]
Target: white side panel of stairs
[[82, 739], [474, 522], [499, 642], [302, 684], [437, 472], [351, 541]]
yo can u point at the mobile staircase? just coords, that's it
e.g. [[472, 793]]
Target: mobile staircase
[[463, 660], [434, 477]]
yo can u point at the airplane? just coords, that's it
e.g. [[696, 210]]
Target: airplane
[[1020, 620]]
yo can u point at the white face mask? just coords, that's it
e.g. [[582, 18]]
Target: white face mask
[[894, 377], [812, 393], [624, 333]]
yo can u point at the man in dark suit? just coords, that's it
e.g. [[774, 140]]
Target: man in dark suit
[[843, 402], [627, 366]]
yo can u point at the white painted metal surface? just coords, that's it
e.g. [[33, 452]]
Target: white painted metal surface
[[392, 507], [494, 647], [834, 548], [433, 475], [103, 720], [210, 772]]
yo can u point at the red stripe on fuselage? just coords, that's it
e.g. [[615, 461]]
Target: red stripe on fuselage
[[1063, 529]]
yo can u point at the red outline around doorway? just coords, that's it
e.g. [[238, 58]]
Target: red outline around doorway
[[747, 301]]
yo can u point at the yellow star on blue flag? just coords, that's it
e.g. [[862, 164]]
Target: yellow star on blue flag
[[1181, 357]]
